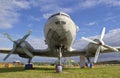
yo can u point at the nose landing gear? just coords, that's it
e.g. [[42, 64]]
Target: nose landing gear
[[58, 66]]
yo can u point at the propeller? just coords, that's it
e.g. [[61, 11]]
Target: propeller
[[18, 44], [9, 37], [10, 53], [100, 42]]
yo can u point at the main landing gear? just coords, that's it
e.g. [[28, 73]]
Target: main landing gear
[[83, 64], [89, 64], [58, 66], [29, 65]]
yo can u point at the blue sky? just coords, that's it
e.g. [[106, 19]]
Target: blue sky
[[19, 16], [90, 15]]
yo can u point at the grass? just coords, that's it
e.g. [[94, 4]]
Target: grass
[[102, 71]]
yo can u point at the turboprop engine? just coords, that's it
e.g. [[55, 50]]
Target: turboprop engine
[[96, 46], [20, 47]]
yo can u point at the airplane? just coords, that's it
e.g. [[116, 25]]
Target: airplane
[[60, 32]]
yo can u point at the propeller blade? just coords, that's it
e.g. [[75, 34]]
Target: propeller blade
[[9, 37], [103, 33], [16, 44], [89, 40], [10, 53], [112, 48], [97, 54], [26, 35], [27, 52]]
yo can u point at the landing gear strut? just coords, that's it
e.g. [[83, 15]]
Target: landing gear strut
[[58, 66], [29, 65], [82, 61]]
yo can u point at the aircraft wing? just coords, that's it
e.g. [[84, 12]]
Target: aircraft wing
[[49, 53], [5, 50], [107, 50], [118, 48], [74, 52], [44, 52], [78, 52]]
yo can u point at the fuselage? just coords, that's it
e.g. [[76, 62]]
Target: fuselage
[[60, 30]]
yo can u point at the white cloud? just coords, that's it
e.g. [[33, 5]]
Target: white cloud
[[113, 37], [8, 12], [37, 43], [4, 42], [34, 18], [47, 15], [50, 7], [110, 2], [86, 4], [92, 23], [110, 18], [55, 9], [7, 16], [29, 25], [24, 4]]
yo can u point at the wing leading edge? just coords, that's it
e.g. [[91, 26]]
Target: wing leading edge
[[47, 52]]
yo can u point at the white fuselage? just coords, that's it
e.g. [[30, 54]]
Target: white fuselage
[[60, 30]]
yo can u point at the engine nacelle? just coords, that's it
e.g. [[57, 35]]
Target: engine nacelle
[[20, 51], [91, 49], [23, 55]]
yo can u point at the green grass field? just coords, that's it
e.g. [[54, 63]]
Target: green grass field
[[101, 71]]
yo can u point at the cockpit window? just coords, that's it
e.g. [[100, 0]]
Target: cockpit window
[[60, 22], [59, 14]]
